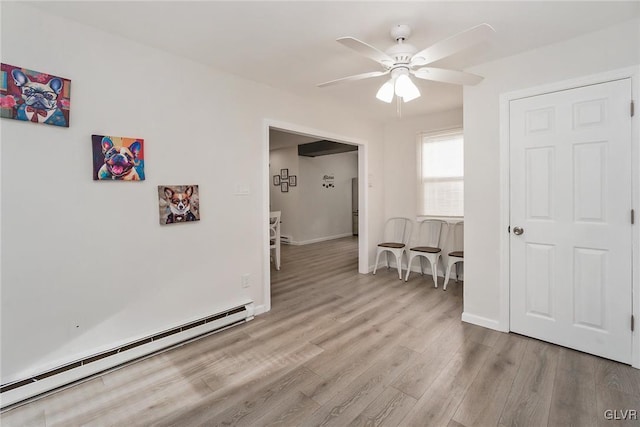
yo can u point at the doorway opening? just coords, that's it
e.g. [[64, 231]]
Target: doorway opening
[[316, 181]]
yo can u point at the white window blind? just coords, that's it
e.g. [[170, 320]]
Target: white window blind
[[441, 189]]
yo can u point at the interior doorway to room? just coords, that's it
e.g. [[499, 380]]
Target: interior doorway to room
[[314, 185]]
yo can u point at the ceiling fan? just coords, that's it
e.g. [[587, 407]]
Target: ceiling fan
[[403, 60]]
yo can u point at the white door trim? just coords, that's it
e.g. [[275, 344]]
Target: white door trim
[[363, 197], [505, 99]]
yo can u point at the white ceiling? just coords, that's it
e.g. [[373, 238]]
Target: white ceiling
[[291, 45]]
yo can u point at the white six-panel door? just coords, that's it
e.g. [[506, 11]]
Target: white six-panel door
[[570, 195]]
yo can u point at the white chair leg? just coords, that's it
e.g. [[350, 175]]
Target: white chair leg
[[446, 276], [434, 271], [375, 267], [406, 277], [278, 256], [452, 262], [399, 265]]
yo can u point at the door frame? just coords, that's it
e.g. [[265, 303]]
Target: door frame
[[363, 197], [504, 257]]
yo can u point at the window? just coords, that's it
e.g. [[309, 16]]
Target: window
[[441, 187]]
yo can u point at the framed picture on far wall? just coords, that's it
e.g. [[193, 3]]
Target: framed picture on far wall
[[284, 173], [276, 179], [284, 187], [293, 180]]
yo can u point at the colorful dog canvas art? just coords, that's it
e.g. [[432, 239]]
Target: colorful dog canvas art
[[33, 96], [117, 158], [178, 203]]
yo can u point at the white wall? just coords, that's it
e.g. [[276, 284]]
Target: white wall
[[401, 162], [401, 159], [311, 213], [287, 203], [85, 265], [609, 49], [326, 213]]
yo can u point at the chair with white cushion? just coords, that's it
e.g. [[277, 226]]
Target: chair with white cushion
[[395, 241], [456, 253], [427, 246], [274, 236]]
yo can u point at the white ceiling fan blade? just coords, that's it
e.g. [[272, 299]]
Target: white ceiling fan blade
[[366, 50], [355, 77], [453, 44], [447, 76]]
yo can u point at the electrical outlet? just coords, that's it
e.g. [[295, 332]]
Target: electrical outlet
[[244, 280]]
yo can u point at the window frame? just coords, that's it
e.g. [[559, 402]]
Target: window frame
[[420, 183]]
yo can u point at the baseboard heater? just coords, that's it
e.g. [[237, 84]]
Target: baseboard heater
[[62, 376]]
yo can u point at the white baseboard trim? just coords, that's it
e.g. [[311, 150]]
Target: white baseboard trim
[[415, 268], [482, 321], [259, 309], [320, 239], [427, 271]]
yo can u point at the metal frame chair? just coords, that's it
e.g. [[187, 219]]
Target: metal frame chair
[[397, 233], [274, 236], [427, 246], [456, 255]]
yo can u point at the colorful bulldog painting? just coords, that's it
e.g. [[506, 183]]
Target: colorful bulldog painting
[[32, 96], [117, 158]]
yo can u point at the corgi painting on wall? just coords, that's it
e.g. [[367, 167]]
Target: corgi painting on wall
[[117, 158], [33, 96], [178, 203]]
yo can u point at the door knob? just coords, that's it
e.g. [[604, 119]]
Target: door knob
[[518, 230]]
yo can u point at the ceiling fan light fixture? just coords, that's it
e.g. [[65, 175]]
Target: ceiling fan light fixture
[[411, 96], [385, 93], [402, 60], [406, 89]]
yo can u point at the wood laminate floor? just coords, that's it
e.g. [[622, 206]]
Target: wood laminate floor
[[343, 349]]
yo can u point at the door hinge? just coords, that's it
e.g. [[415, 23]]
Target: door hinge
[[633, 216], [632, 323], [633, 110]]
